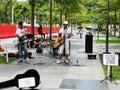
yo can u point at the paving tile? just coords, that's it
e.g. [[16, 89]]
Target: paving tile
[[83, 84]]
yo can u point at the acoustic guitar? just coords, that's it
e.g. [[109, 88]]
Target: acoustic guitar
[[23, 38], [30, 79], [59, 41]]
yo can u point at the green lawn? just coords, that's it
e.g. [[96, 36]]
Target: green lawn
[[115, 69], [3, 60], [110, 41]]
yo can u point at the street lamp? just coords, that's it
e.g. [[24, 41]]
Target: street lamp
[[107, 26]]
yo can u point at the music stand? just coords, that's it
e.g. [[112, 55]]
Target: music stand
[[111, 60]]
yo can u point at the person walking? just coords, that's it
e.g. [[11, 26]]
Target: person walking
[[65, 47], [21, 34]]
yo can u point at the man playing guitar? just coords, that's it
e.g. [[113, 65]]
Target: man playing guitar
[[21, 33], [66, 34]]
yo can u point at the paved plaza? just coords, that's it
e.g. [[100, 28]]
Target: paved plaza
[[84, 76]]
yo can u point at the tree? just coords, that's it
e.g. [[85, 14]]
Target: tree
[[5, 9]]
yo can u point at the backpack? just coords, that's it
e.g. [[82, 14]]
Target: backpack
[[29, 54], [39, 50]]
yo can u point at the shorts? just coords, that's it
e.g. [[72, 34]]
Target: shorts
[[66, 46]]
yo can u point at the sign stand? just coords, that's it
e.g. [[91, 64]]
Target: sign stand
[[111, 60], [111, 78]]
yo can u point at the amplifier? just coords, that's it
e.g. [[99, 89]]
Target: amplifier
[[92, 56]]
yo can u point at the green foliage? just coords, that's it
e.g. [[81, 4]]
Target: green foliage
[[84, 11]]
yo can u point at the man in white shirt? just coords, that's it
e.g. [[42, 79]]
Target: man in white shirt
[[21, 34], [64, 48]]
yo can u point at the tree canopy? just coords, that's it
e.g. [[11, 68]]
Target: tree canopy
[[81, 11]]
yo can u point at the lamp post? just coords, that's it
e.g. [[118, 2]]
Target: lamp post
[[107, 38], [107, 26]]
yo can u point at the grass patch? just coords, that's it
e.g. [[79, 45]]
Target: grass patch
[[110, 41], [115, 69], [3, 60]]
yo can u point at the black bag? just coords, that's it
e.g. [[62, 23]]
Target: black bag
[[10, 54], [39, 50], [29, 54]]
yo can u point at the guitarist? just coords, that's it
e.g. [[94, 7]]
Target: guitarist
[[66, 33], [21, 34]]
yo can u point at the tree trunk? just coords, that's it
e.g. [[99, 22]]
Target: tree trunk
[[32, 16], [115, 29], [110, 26], [119, 23], [65, 16], [60, 17], [5, 12]]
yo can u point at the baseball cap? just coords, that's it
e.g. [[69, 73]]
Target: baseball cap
[[65, 22]]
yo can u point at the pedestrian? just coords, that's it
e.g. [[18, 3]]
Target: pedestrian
[[80, 32], [40, 29], [65, 47], [21, 34]]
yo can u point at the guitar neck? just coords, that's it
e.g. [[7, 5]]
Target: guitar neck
[[7, 84]]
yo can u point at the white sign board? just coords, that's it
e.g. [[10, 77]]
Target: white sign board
[[110, 59]]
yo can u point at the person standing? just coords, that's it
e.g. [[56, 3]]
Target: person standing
[[64, 48], [21, 34], [40, 31]]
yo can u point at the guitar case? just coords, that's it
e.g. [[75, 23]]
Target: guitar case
[[26, 78]]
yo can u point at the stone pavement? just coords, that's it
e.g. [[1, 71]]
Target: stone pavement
[[85, 76]]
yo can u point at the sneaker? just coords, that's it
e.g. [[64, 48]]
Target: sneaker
[[20, 61], [67, 62], [27, 59], [58, 61]]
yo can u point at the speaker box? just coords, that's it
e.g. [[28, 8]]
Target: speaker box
[[118, 57], [88, 43], [91, 56]]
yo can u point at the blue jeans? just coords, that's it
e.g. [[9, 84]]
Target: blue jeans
[[22, 47]]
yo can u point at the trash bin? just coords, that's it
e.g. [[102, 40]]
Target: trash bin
[[89, 43]]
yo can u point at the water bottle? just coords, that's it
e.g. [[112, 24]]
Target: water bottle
[[77, 61]]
